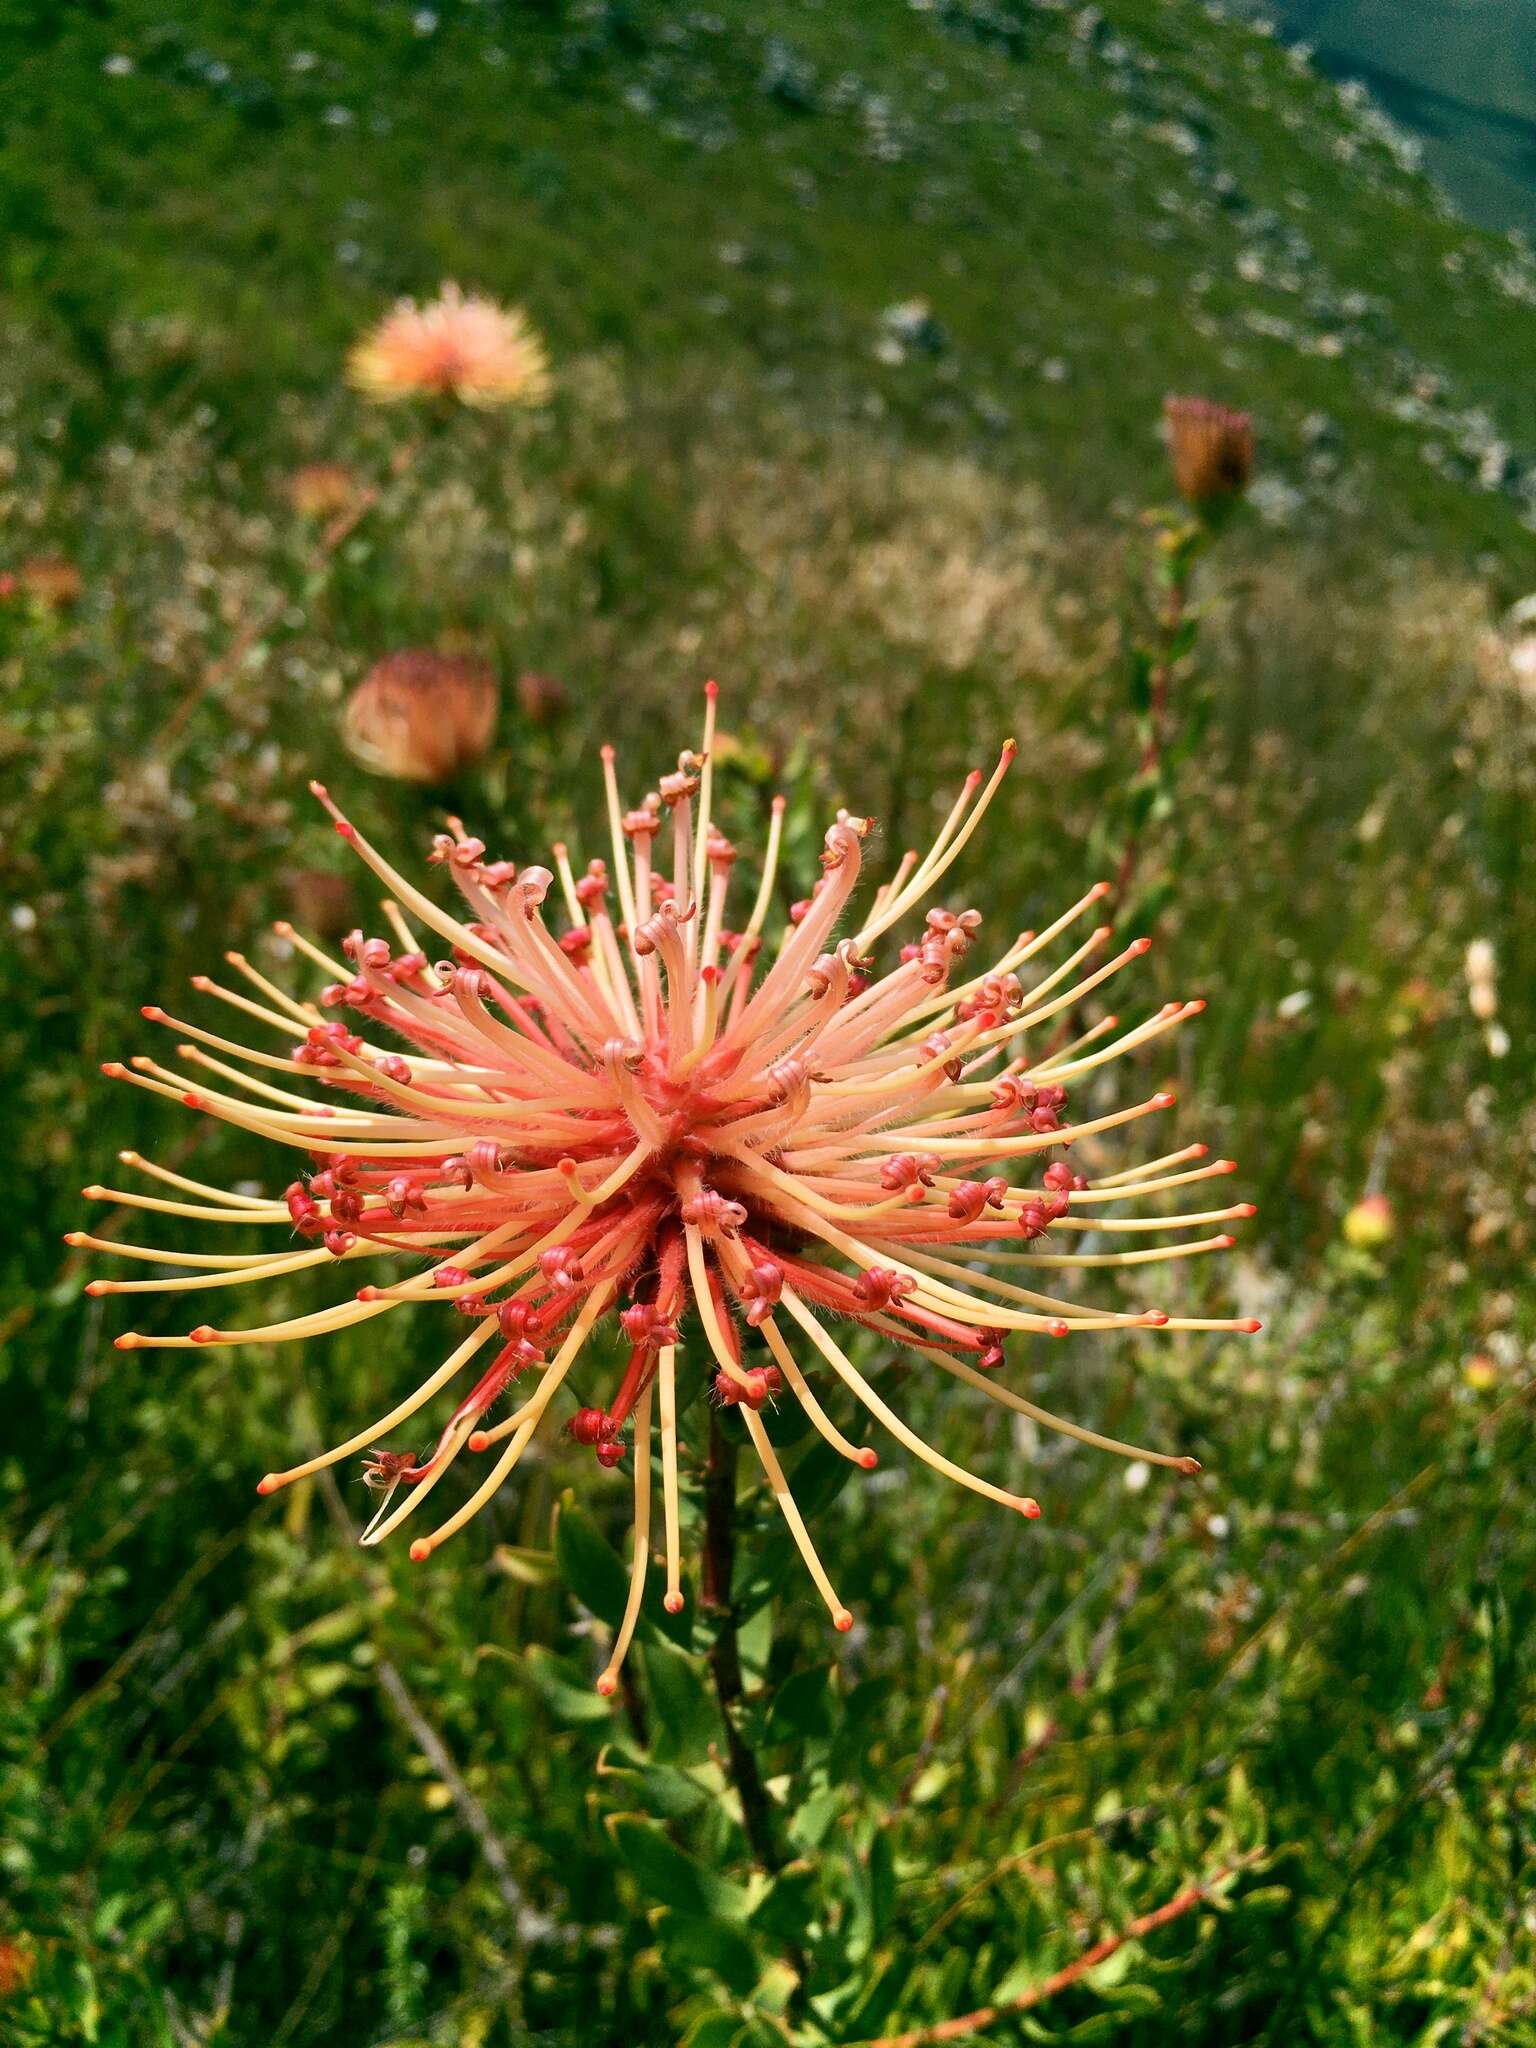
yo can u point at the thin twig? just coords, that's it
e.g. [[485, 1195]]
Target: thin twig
[[433, 1748], [466, 1805], [988, 2015]]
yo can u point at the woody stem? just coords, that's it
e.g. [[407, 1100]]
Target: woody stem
[[725, 1652]]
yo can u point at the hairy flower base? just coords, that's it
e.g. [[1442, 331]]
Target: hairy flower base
[[628, 1119]]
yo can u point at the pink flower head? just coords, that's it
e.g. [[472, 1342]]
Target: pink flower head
[[731, 1166], [454, 346]]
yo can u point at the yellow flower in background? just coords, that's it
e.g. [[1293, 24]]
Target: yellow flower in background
[[1370, 1224]]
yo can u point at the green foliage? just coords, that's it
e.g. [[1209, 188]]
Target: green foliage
[[259, 1787]]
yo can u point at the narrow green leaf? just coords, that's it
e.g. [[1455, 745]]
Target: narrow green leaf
[[684, 1716], [669, 1877], [589, 1565]]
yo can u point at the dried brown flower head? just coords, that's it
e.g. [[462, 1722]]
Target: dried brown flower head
[[1211, 448], [52, 580]]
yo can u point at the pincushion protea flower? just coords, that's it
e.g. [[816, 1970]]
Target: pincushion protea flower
[[457, 345], [1210, 447], [628, 1119], [421, 715]]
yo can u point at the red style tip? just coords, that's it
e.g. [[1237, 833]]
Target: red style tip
[[712, 691], [1195, 1005], [346, 828], [1247, 1208], [868, 1458], [95, 1287], [1056, 1329], [478, 1440], [283, 928], [1164, 1099], [369, 1293], [1224, 1166], [153, 1012], [1250, 1326], [421, 1550], [205, 1333], [1029, 1509], [113, 1069], [129, 1341], [201, 982], [1198, 1151], [1099, 890], [605, 753], [607, 1685], [1225, 1242], [1139, 946], [318, 789], [93, 1193], [269, 1484], [842, 1621], [1189, 1467], [674, 1603], [1156, 1318], [74, 1237], [191, 1101], [1010, 748]]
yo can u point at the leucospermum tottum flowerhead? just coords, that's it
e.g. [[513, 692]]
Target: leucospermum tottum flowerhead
[[734, 1142], [457, 345], [421, 716], [1211, 449]]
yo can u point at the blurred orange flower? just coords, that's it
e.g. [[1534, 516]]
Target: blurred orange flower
[[420, 716], [455, 346], [1211, 448]]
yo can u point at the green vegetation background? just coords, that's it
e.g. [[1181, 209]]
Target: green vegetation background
[[261, 1789]]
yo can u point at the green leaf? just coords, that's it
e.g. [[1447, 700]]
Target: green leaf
[[684, 1717], [882, 1882], [819, 1477], [527, 1567], [802, 1706], [663, 1791], [579, 1704], [714, 2030], [810, 1823], [669, 1877], [1139, 662], [1182, 639], [1102, 2027], [712, 1945], [789, 1904], [589, 1565], [869, 2015]]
